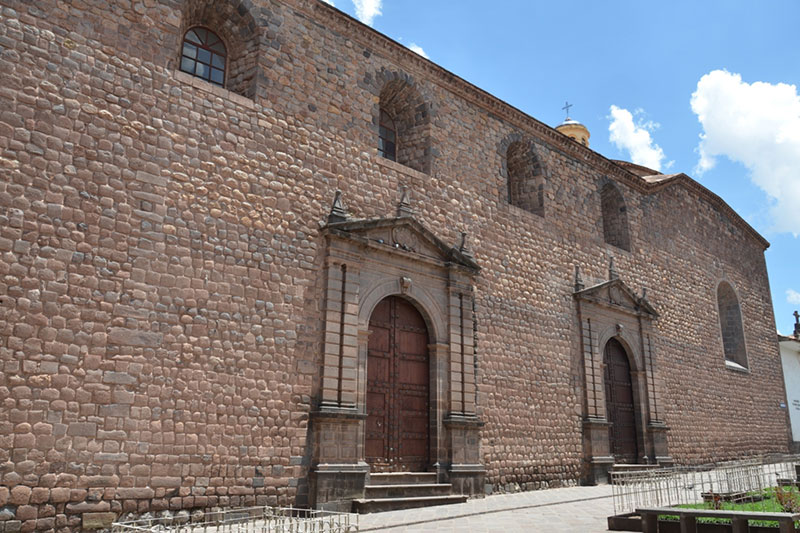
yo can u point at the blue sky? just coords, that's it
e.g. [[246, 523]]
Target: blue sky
[[632, 67]]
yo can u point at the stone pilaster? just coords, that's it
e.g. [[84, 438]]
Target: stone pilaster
[[339, 472], [593, 368], [340, 349], [462, 350]]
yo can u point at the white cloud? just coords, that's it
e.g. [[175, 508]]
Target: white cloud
[[367, 10], [634, 137], [758, 125], [414, 47], [792, 296], [329, 2]]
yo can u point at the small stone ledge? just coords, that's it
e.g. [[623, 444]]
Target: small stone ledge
[[736, 367], [340, 413], [463, 420], [467, 468], [342, 468], [216, 90], [592, 421], [398, 167]]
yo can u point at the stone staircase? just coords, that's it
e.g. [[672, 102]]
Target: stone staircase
[[404, 490]]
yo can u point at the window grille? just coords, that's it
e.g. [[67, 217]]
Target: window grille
[[203, 55]]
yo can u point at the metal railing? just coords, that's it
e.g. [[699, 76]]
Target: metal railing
[[718, 486], [243, 520]]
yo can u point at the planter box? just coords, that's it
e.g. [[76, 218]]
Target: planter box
[[633, 522]]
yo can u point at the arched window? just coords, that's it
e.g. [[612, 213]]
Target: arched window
[[221, 44], [730, 321], [525, 180], [204, 55], [387, 137], [615, 217]]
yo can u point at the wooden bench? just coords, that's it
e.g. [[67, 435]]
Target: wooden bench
[[688, 518]]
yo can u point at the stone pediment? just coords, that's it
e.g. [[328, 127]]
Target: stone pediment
[[403, 235], [617, 295]]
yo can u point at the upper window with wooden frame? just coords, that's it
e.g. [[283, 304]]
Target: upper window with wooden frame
[[387, 137], [204, 55]]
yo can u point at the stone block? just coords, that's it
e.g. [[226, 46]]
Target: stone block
[[82, 429], [132, 337], [165, 481], [98, 520], [137, 493]]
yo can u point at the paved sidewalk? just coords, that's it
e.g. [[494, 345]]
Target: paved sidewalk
[[567, 510]]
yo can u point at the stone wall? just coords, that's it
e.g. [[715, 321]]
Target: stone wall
[[161, 266]]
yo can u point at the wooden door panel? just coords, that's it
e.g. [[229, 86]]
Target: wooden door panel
[[381, 341], [412, 343], [408, 316], [415, 403], [382, 314], [414, 423], [414, 450], [374, 449], [412, 373], [379, 369], [620, 409], [377, 400], [398, 419]]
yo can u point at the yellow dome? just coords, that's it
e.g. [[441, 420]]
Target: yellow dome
[[574, 130]]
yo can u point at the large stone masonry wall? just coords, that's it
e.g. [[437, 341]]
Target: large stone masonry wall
[[161, 265]]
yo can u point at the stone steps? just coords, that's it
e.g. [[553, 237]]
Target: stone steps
[[411, 490], [395, 504], [392, 491], [628, 467], [402, 478]]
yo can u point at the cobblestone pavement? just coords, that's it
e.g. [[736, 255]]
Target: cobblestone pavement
[[566, 510]]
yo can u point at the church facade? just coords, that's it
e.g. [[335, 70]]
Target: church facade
[[253, 252]]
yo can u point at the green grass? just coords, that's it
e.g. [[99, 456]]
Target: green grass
[[769, 504]]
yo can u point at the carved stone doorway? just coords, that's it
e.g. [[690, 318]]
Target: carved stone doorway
[[620, 409], [398, 389]]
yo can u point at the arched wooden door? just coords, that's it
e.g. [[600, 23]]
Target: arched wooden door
[[619, 404], [397, 388]]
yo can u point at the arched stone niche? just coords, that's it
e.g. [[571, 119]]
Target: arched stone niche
[[366, 262], [522, 170], [611, 310], [615, 217], [409, 104]]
